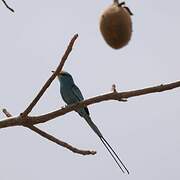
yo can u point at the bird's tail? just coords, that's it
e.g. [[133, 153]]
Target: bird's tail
[[93, 126], [106, 144]]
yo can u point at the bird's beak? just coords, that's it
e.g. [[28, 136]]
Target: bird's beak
[[53, 72], [59, 73]]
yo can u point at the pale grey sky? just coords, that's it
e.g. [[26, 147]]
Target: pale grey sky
[[144, 131]]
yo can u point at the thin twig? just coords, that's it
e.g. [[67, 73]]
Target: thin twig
[[53, 139], [12, 10], [59, 142], [19, 121], [6, 112], [53, 76]]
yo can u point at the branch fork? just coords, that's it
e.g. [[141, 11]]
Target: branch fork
[[30, 121], [23, 118]]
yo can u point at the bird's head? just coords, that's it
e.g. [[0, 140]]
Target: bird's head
[[64, 77]]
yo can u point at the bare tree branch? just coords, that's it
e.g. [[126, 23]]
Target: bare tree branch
[[120, 96], [53, 139], [29, 121], [12, 10], [19, 121], [59, 142], [49, 81]]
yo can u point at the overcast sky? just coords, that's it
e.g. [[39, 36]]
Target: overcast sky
[[144, 131]]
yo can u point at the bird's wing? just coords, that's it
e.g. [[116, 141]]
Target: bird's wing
[[76, 91]]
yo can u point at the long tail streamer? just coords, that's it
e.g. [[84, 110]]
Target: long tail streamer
[[107, 145], [114, 155]]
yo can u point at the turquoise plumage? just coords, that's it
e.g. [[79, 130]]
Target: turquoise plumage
[[72, 94]]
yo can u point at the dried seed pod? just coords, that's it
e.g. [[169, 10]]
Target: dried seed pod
[[116, 25]]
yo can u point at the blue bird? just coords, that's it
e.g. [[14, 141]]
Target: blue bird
[[71, 94]]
